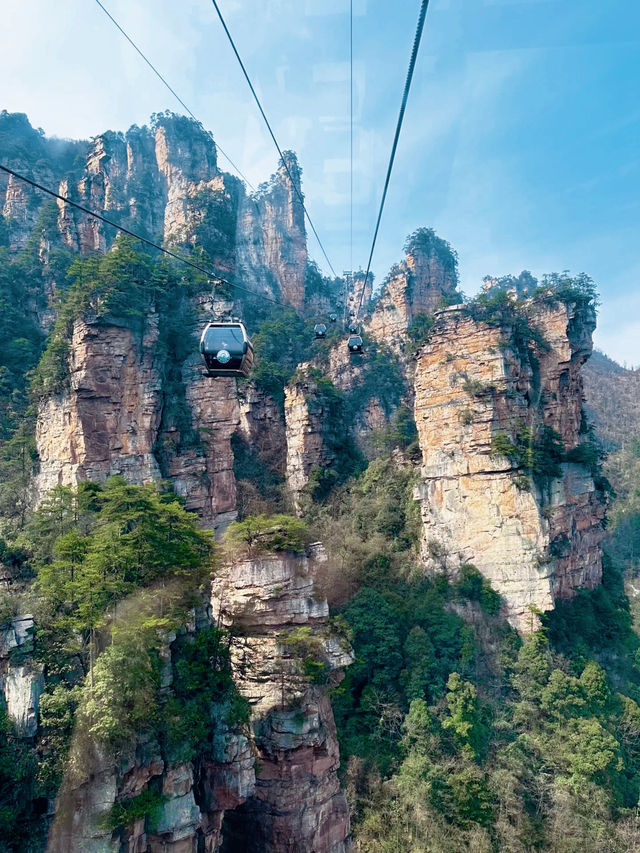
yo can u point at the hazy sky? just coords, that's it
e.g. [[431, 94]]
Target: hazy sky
[[521, 137]]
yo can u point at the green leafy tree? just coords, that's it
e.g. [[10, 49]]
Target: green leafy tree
[[464, 719], [262, 534]]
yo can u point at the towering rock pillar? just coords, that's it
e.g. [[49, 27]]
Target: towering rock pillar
[[415, 287], [272, 241], [306, 428], [283, 657], [498, 420]]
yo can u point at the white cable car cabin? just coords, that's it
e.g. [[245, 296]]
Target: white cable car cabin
[[226, 349]]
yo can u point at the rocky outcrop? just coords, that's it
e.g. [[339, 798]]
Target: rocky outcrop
[[274, 788], [21, 679], [107, 422], [415, 287], [203, 472], [279, 624], [262, 427], [358, 290], [478, 397], [110, 420], [146, 177], [306, 421], [164, 182], [272, 242], [192, 796]]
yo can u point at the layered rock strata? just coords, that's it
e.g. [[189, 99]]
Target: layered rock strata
[[110, 422], [278, 621], [306, 425], [194, 795], [268, 790], [262, 427], [415, 287], [272, 241], [159, 181], [535, 540]]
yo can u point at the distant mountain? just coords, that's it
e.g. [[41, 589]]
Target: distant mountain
[[613, 400]]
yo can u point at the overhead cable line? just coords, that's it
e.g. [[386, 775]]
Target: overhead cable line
[[351, 135], [211, 276], [171, 89], [272, 134], [403, 106]]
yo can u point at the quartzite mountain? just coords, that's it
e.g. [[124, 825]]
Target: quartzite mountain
[[480, 406]]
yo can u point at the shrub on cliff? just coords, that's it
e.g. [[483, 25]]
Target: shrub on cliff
[[562, 287], [426, 241], [262, 534]]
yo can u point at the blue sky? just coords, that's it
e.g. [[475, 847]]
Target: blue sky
[[520, 143]]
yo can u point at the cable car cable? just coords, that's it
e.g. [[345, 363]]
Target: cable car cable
[[272, 134], [171, 89], [351, 135], [405, 97], [349, 278], [210, 275]]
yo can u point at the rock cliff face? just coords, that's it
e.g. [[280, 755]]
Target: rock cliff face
[[306, 448], [110, 421], [272, 246], [262, 427], [477, 396], [194, 795], [269, 790], [21, 680], [415, 287], [151, 179], [280, 624], [163, 182]]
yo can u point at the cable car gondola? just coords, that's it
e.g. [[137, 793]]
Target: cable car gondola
[[226, 349], [353, 328], [320, 331], [333, 318], [355, 344]]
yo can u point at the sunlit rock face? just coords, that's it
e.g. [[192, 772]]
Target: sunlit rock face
[[297, 803], [415, 287], [536, 541], [163, 182], [108, 420]]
